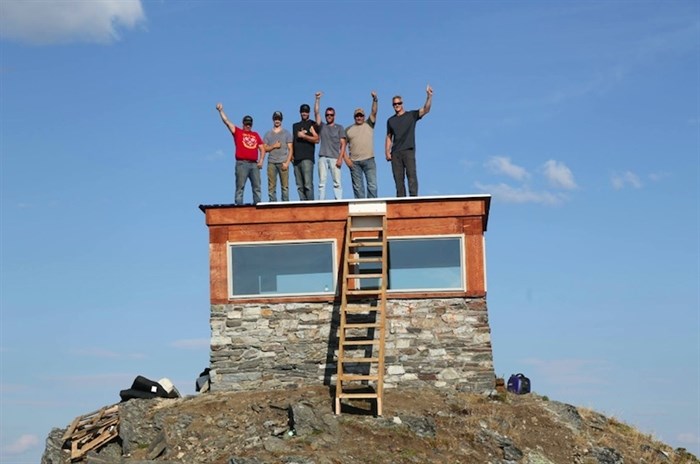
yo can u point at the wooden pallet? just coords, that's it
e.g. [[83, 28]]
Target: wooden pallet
[[92, 430]]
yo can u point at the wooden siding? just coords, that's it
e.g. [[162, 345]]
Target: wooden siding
[[419, 216]]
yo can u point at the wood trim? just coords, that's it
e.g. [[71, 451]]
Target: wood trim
[[336, 299], [326, 221]]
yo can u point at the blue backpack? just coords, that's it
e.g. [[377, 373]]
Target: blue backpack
[[518, 384]]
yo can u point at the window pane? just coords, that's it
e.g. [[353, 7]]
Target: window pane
[[425, 263], [282, 268]]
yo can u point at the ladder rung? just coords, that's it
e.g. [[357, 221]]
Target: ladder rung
[[357, 395], [362, 309], [356, 377], [364, 292], [359, 360], [366, 243], [367, 229], [364, 325], [359, 342], [378, 259], [364, 276]]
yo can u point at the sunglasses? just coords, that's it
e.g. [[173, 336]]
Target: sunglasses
[[330, 114], [397, 103], [359, 115]]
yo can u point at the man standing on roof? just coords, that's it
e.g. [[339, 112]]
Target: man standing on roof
[[278, 142], [303, 145], [400, 147], [249, 155], [361, 142], [331, 152]]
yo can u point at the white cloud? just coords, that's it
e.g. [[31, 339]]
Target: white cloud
[[191, 343], [627, 178], [96, 380], [47, 22], [502, 165], [217, 155], [571, 372], [659, 176], [6, 388], [559, 175], [508, 194], [689, 438], [22, 444], [105, 354]]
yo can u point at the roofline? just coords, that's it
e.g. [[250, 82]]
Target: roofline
[[278, 204]]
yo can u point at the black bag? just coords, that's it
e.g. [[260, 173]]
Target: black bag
[[202, 382], [143, 388], [518, 384]]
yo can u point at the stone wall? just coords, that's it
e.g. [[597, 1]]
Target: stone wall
[[429, 342]]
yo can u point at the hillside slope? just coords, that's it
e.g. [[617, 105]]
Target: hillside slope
[[418, 426]]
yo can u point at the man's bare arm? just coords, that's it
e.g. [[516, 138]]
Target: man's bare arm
[[428, 101], [314, 138], [317, 106], [220, 109], [373, 112]]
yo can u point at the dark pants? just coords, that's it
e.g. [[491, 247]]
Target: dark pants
[[403, 164]]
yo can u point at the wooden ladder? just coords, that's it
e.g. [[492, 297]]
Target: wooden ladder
[[361, 333]]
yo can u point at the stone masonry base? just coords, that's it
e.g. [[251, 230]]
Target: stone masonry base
[[429, 342]]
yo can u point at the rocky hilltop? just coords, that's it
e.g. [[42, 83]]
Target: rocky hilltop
[[418, 426]]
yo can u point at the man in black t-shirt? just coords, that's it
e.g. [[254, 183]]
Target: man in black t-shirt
[[400, 146], [305, 138]]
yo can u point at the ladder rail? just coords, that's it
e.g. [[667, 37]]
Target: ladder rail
[[371, 236]]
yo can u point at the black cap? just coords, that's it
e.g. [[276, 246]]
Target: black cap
[[304, 108], [247, 119], [277, 115]]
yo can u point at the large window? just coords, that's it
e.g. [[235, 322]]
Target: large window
[[282, 268], [420, 263]]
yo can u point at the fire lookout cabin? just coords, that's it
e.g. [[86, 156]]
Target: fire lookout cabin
[[359, 295]]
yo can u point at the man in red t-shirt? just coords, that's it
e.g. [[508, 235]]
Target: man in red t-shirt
[[250, 153]]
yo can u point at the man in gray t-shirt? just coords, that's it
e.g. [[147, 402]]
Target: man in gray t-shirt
[[331, 152], [278, 143]]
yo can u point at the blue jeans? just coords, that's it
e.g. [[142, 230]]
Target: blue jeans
[[326, 164], [247, 170], [369, 168], [304, 175], [273, 170]]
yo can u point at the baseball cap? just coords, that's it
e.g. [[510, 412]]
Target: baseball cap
[[359, 111], [277, 115], [247, 119], [304, 108]]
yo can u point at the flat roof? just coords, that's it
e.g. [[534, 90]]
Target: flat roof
[[265, 204], [298, 203]]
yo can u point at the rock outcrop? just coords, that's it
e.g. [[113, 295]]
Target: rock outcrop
[[418, 426]]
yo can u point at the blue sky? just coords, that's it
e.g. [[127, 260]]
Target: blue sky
[[581, 119]]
